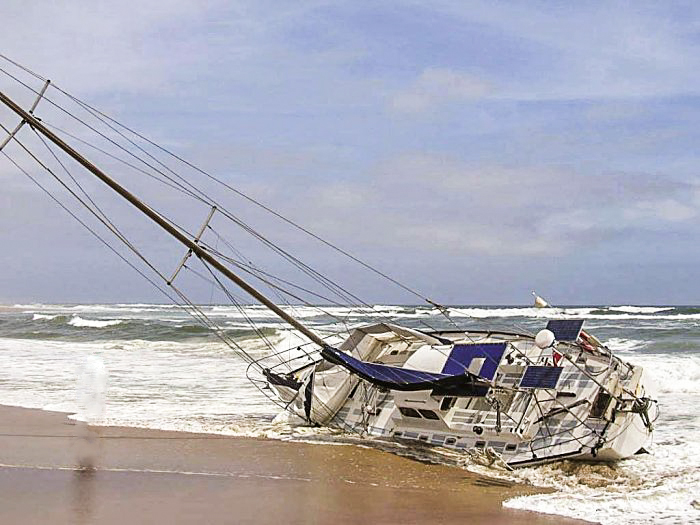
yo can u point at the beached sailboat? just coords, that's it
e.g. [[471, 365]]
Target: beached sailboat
[[524, 398], [528, 400]]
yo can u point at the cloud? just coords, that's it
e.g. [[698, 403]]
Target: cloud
[[558, 129], [588, 50], [426, 202], [664, 210], [436, 87], [93, 47]]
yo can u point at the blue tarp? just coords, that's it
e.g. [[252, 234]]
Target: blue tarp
[[403, 379]]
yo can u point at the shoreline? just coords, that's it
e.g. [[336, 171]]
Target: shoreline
[[83, 474]]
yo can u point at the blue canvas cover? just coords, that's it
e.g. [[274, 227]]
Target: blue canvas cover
[[403, 379]]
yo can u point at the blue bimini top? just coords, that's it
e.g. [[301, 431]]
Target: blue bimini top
[[407, 380]]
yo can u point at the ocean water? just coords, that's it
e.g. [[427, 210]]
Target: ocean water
[[154, 366]]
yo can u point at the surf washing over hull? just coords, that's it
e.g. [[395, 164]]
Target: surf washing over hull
[[507, 396], [511, 397], [166, 372]]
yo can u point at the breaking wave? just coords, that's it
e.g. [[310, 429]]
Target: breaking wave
[[79, 322], [44, 317], [641, 309], [166, 371], [620, 344]]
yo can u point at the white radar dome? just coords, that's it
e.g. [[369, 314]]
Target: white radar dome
[[544, 339]]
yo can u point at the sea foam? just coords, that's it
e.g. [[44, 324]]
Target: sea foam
[[199, 384]]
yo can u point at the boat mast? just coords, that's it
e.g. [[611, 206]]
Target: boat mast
[[160, 221]]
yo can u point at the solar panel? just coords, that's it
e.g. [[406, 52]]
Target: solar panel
[[462, 355], [541, 377], [565, 329]]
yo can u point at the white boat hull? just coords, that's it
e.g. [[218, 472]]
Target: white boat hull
[[591, 412]]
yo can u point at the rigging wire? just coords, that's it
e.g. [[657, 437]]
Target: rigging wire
[[314, 274], [234, 300], [310, 271], [333, 287], [196, 312], [252, 268], [92, 128], [224, 184], [88, 228], [249, 198], [329, 284], [325, 282], [167, 183], [88, 203], [97, 212]]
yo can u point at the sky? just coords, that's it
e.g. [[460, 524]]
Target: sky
[[473, 150]]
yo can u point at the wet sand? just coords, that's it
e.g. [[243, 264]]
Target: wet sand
[[53, 470]]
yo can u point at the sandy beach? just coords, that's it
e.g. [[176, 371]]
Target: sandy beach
[[58, 471]]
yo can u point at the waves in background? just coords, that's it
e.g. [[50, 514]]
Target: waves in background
[[166, 371]]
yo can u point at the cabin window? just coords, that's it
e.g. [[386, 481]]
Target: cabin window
[[450, 441], [510, 447], [600, 405], [447, 403], [480, 444], [428, 414], [409, 412]]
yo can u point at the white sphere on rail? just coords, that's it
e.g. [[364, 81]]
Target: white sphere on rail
[[544, 339]]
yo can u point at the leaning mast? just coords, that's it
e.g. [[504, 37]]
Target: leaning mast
[[194, 247]]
